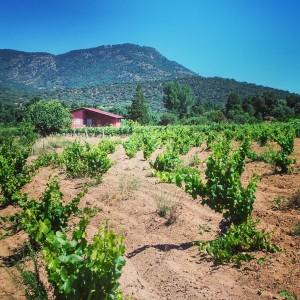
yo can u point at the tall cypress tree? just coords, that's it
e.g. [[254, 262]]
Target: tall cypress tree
[[139, 110]]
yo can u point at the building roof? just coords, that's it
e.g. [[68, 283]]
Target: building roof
[[102, 112]]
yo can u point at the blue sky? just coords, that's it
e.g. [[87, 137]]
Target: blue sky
[[256, 41]]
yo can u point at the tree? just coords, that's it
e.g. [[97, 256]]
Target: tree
[[248, 106], [215, 116], [48, 116], [139, 110], [119, 109], [297, 108], [271, 102], [282, 112], [292, 100], [259, 104], [168, 118], [233, 103], [178, 98]]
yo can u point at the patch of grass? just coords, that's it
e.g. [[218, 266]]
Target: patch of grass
[[204, 228], [287, 295], [291, 203], [294, 200], [49, 144], [172, 216], [278, 203], [296, 230], [129, 184], [34, 288], [163, 205], [195, 160], [166, 208]]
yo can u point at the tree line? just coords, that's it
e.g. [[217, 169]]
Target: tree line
[[181, 107], [180, 104]]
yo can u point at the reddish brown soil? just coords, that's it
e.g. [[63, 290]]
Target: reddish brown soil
[[162, 261]]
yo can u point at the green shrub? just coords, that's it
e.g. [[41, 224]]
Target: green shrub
[[107, 146], [81, 270], [281, 159], [224, 191], [74, 160], [167, 161], [13, 170], [132, 146], [82, 160], [47, 159], [237, 242], [96, 162], [50, 207], [150, 144]]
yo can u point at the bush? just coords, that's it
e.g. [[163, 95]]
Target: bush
[[168, 118], [237, 242], [81, 270], [85, 160], [13, 170], [74, 160], [167, 161], [281, 159], [132, 146], [96, 161], [49, 207], [107, 146], [224, 191]]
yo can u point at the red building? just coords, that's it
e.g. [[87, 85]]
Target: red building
[[92, 117]]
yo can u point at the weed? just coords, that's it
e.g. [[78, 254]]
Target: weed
[[128, 184], [287, 295], [172, 216], [278, 203], [261, 261], [296, 230], [195, 161], [294, 200], [49, 144], [204, 228], [34, 288], [164, 205]]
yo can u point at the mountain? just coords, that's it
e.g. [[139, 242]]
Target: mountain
[[107, 75], [87, 67]]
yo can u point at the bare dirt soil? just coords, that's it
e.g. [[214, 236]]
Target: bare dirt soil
[[162, 259]]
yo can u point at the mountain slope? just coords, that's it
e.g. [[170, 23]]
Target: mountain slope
[[87, 67], [107, 75], [207, 90]]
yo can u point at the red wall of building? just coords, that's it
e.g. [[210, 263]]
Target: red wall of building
[[79, 118]]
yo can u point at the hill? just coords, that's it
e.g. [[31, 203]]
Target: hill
[[86, 67]]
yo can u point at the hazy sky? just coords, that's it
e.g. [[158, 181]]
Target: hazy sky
[[248, 40]]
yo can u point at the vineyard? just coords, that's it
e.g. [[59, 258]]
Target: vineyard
[[151, 212]]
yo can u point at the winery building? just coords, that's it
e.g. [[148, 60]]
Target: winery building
[[92, 117]]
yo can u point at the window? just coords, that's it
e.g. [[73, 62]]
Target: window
[[77, 122]]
